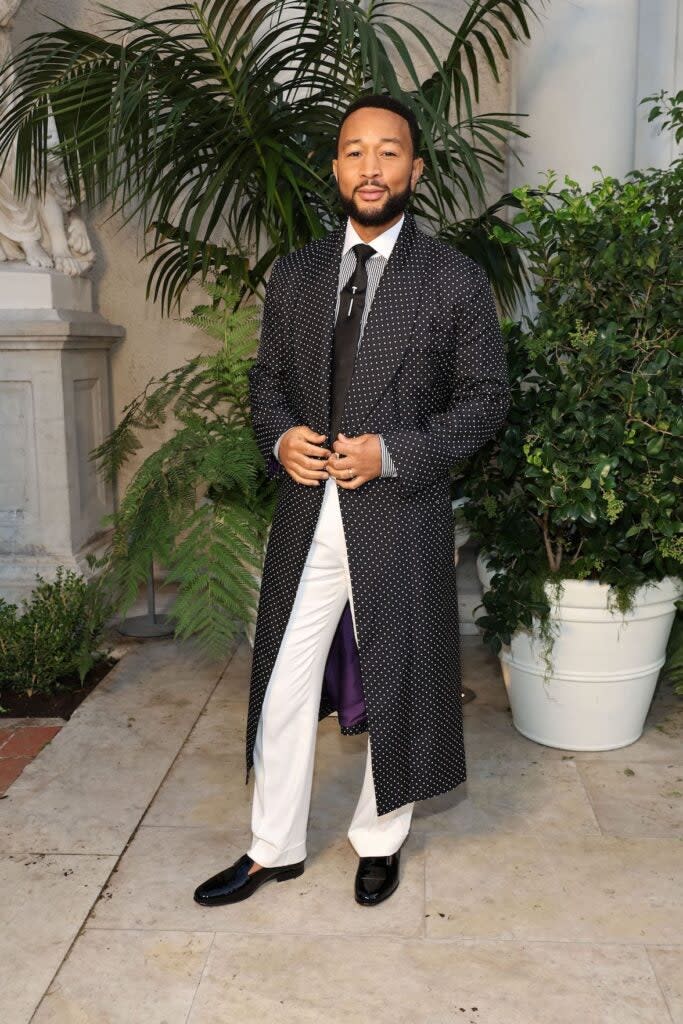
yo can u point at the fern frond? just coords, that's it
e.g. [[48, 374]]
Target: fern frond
[[217, 565], [201, 503]]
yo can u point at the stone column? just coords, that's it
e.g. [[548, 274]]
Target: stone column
[[581, 78], [55, 407], [660, 66]]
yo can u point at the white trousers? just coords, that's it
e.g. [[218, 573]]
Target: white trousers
[[284, 747]]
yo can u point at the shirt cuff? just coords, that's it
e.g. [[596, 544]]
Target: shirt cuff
[[276, 446], [388, 467]]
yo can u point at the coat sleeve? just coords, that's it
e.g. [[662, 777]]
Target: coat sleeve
[[479, 401], [270, 413]]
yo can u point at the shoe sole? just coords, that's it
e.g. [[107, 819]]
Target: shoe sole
[[239, 896]]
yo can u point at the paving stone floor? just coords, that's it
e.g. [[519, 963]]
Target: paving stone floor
[[548, 889]]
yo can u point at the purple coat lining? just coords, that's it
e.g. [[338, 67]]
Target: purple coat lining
[[342, 680], [342, 685]]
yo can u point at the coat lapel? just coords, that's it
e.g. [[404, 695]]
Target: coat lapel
[[314, 325], [396, 301]]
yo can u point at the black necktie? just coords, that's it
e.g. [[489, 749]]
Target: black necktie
[[347, 333]]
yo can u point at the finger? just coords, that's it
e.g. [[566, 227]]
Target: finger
[[351, 485], [310, 435], [311, 474], [306, 448], [301, 480], [348, 473], [308, 462], [357, 439], [339, 472]]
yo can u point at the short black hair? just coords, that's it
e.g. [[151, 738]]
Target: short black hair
[[383, 101]]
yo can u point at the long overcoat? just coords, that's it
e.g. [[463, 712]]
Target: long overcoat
[[431, 376]]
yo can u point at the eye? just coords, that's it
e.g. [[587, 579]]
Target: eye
[[389, 152]]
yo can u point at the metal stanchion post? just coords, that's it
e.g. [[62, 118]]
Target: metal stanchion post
[[151, 624]]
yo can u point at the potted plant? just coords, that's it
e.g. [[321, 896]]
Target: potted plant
[[577, 503]]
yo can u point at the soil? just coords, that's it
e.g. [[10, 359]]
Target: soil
[[60, 703]]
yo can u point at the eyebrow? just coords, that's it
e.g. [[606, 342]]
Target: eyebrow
[[389, 138]]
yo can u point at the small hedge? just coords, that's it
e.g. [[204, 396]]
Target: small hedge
[[53, 636]]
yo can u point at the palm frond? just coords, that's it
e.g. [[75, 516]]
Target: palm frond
[[214, 122], [496, 245]]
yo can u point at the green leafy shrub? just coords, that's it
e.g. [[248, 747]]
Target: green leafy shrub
[[53, 635], [585, 480]]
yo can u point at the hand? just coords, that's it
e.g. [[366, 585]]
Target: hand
[[301, 455], [361, 460]]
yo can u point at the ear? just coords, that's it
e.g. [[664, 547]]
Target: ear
[[418, 168], [334, 167]]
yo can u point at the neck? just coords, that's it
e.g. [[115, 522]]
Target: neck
[[369, 231]]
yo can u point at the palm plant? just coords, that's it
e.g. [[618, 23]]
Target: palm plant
[[215, 122]]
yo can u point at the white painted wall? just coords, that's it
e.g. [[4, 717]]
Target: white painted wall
[[660, 66]]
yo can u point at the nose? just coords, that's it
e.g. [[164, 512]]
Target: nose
[[370, 168]]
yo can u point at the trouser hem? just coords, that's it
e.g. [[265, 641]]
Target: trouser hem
[[262, 853], [369, 847]]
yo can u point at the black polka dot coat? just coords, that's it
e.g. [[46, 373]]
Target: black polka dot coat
[[431, 377]]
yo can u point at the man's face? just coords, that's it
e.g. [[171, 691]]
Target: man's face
[[374, 168]]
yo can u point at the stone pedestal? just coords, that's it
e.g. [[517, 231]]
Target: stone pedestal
[[55, 407]]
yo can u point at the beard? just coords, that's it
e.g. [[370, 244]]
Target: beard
[[394, 204]]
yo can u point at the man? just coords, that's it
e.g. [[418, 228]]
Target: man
[[380, 365]]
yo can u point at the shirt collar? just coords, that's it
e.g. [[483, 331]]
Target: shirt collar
[[383, 243]]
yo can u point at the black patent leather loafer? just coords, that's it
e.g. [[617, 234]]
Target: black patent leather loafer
[[235, 883], [376, 879]]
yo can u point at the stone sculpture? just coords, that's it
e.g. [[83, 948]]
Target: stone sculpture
[[45, 231]]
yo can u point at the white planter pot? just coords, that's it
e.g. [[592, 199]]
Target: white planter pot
[[604, 666]]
